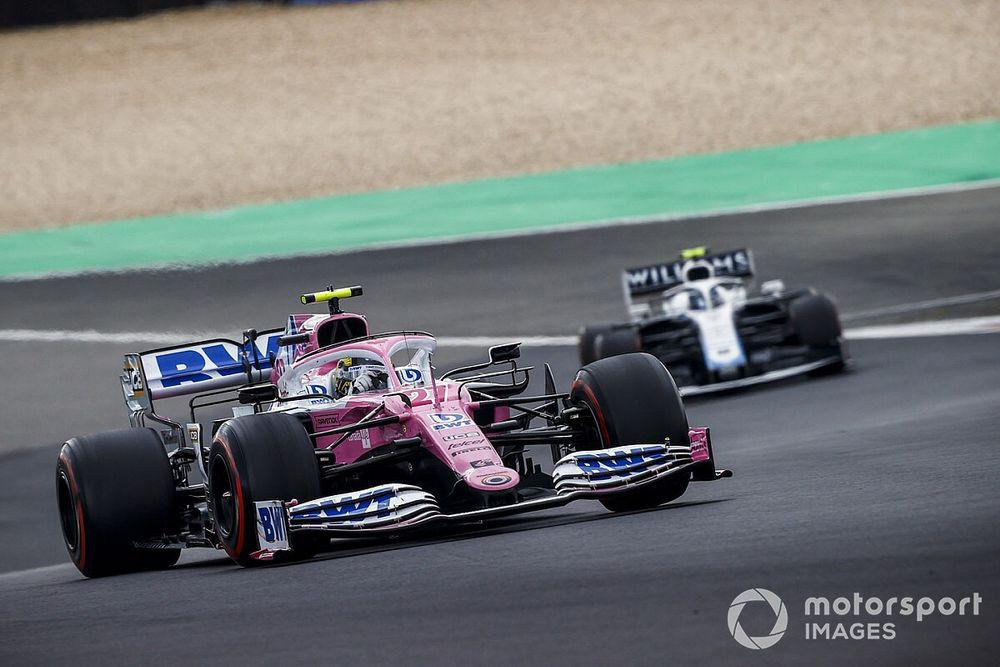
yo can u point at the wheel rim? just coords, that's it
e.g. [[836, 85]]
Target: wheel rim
[[67, 512], [223, 499]]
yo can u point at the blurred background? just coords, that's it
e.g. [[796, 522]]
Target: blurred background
[[242, 103]]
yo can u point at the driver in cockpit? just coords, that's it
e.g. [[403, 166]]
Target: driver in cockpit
[[355, 375]]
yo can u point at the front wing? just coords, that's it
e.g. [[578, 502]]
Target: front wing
[[391, 508], [763, 378]]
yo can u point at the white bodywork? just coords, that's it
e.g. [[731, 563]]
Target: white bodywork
[[710, 302]]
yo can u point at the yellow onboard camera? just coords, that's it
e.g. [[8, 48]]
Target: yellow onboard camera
[[333, 296]]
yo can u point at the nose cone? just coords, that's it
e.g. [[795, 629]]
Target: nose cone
[[491, 478]]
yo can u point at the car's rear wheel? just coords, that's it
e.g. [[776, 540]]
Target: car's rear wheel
[[586, 344], [816, 323], [622, 340], [633, 400], [256, 458], [114, 489]]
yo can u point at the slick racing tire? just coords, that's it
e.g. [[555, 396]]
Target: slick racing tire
[[617, 341], [634, 400], [816, 323], [255, 458], [586, 345], [114, 489]]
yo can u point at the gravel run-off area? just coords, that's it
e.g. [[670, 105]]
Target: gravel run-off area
[[228, 105]]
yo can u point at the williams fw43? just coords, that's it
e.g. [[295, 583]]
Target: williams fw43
[[702, 318], [337, 432]]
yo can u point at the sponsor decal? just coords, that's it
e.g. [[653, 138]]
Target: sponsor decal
[[645, 278], [410, 375], [364, 436], [134, 378], [327, 420], [495, 479], [448, 420], [194, 435], [209, 361], [472, 449], [482, 463], [699, 446], [620, 458], [272, 532], [460, 436], [350, 508], [474, 440]]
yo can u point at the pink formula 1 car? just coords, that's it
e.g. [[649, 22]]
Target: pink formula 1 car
[[339, 432]]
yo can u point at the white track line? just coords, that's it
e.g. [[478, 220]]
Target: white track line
[[970, 325], [20, 576], [548, 229], [923, 305], [93, 336]]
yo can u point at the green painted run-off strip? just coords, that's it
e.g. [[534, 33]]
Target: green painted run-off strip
[[838, 167]]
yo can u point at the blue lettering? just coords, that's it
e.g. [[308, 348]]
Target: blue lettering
[[589, 465], [221, 358], [593, 465], [267, 523], [349, 507], [383, 504], [347, 510], [179, 367], [279, 524], [265, 354]]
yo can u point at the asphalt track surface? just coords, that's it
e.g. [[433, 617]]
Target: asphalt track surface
[[880, 481]]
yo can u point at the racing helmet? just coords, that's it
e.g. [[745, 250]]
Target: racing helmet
[[355, 375]]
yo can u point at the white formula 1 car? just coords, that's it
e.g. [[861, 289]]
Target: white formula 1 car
[[699, 316]]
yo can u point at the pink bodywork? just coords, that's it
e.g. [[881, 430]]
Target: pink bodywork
[[698, 435], [444, 421]]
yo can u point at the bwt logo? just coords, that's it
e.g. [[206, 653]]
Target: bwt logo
[[272, 523], [199, 363], [349, 508], [780, 618], [443, 420], [618, 460]]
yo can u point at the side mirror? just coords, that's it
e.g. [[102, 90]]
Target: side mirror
[[257, 393], [506, 352], [293, 339]]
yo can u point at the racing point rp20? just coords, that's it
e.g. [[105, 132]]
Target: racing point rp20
[[337, 432]]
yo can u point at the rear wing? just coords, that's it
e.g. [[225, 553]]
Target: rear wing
[[192, 368], [648, 281]]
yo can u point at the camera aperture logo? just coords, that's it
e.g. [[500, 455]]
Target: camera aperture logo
[[858, 617], [780, 618]]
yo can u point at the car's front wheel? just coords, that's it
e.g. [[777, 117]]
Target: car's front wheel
[[256, 458], [634, 400]]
